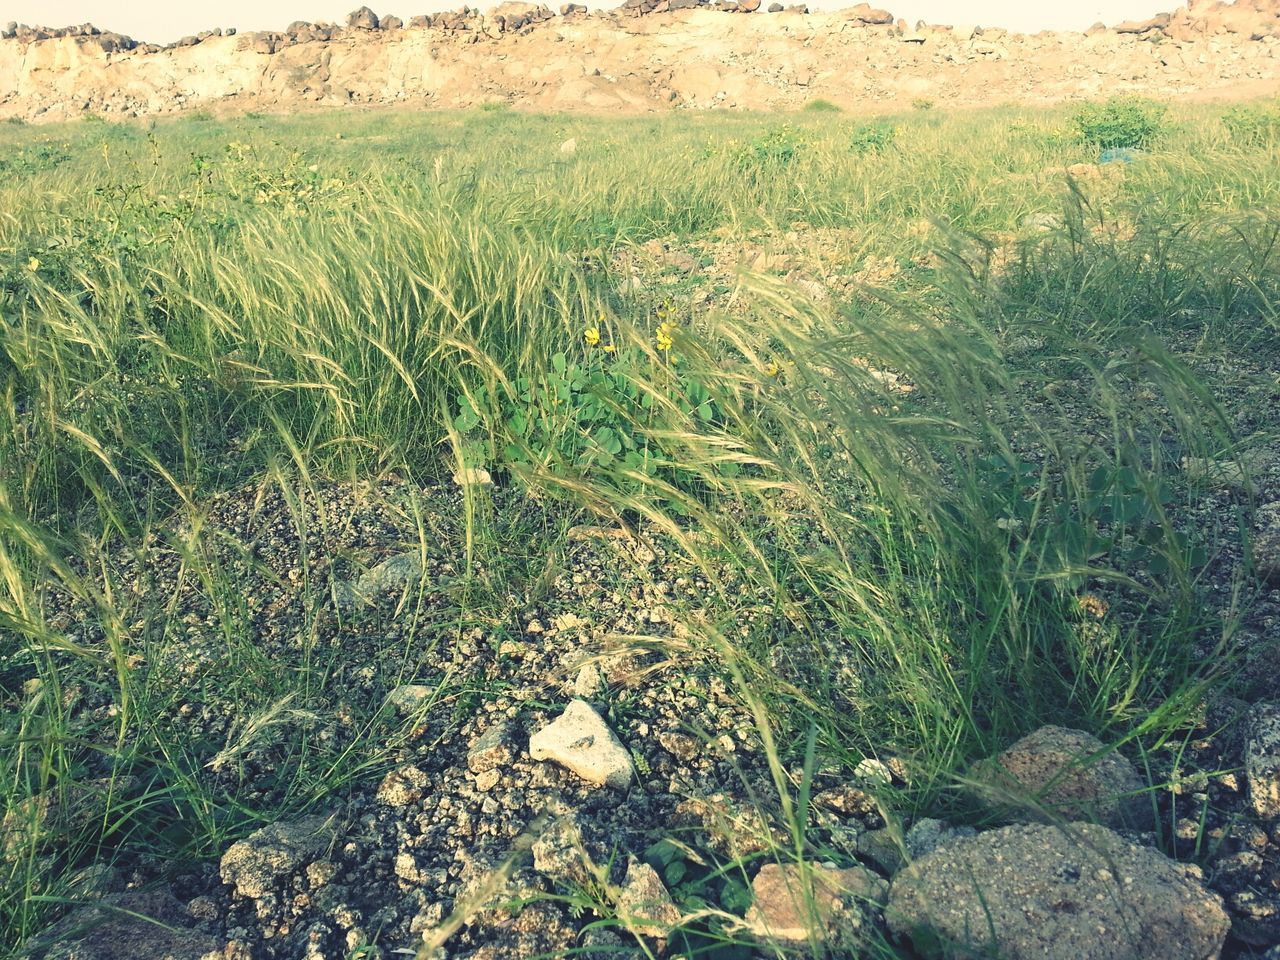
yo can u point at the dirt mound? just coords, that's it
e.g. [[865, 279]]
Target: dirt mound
[[647, 55]]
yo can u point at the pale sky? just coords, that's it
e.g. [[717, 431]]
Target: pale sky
[[161, 21]]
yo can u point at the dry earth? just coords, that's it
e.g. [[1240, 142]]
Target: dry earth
[[631, 60]]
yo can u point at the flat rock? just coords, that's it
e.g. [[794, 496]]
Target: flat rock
[[1048, 774], [137, 925], [256, 863], [1262, 760], [837, 909], [583, 743], [396, 573], [1048, 893]]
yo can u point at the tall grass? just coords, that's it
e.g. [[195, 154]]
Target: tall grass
[[191, 308]]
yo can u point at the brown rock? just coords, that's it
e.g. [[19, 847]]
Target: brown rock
[[362, 19], [794, 905], [873, 16], [1057, 772], [644, 905], [1262, 760]]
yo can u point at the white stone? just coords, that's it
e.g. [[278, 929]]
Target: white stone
[[581, 742]]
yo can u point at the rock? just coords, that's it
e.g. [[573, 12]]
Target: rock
[[775, 8], [1048, 774], [1038, 891], [589, 682], [748, 6], [1158, 22], [1266, 545], [408, 697], [568, 9], [362, 19], [492, 750], [473, 477], [867, 14], [256, 863], [569, 146], [581, 742], [1262, 759], [560, 855], [838, 910], [848, 800], [873, 772], [644, 905], [391, 23], [927, 834], [397, 573], [136, 925], [10, 31], [882, 849], [403, 786]]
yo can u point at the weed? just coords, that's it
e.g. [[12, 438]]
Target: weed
[[1120, 123]]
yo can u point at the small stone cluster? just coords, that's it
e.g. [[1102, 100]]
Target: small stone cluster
[[1254, 19]]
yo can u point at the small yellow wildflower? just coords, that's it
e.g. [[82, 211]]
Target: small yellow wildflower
[[610, 348], [592, 336], [663, 337], [1092, 605], [772, 369], [33, 264]]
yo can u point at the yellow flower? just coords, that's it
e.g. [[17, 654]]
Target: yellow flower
[[592, 336], [33, 264], [610, 348], [772, 369], [663, 337]]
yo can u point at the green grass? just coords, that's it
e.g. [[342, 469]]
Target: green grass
[[190, 308]]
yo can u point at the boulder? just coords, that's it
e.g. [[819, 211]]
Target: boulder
[[254, 865], [1060, 773], [867, 14], [10, 31], [1262, 760], [391, 23], [1038, 891], [794, 905], [1158, 22], [569, 9], [362, 19], [748, 6], [420, 22], [581, 742], [775, 8]]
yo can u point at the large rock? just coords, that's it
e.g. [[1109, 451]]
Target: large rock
[[837, 908], [136, 925], [1158, 22], [1059, 773], [644, 905], [362, 19], [255, 864], [1262, 760], [872, 16], [1039, 892], [581, 742]]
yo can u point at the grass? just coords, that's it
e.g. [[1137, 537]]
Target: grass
[[189, 309]]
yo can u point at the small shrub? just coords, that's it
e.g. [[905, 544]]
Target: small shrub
[[1253, 126], [923, 103], [769, 151], [821, 106], [872, 137], [1121, 122], [16, 121]]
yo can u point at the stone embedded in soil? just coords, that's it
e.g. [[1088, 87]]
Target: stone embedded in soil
[[1262, 760], [492, 750], [644, 905], [255, 864], [150, 925], [581, 742], [404, 786], [927, 834], [1049, 774], [1266, 546], [408, 697], [395, 574], [837, 909], [1049, 893], [559, 853]]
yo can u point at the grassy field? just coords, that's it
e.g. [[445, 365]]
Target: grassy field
[[918, 401]]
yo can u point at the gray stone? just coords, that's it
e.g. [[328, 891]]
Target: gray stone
[[408, 697], [644, 905], [1262, 759], [1049, 774], [396, 573], [391, 23], [834, 907], [1049, 893], [560, 855], [255, 864], [1266, 545], [581, 742], [135, 925], [362, 19], [492, 750], [927, 834]]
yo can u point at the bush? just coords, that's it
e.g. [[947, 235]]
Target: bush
[[922, 103], [771, 150], [1121, 122], [1254, 126], [821, 106], [872, 137]]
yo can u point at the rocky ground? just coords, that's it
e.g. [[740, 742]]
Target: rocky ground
[[580, 775], [647, 55]]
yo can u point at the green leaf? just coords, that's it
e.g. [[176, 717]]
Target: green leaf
[[559, 364]]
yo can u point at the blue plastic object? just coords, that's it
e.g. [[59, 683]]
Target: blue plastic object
[[1118, 155]]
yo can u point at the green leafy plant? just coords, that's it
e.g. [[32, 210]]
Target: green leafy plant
[[821, 106], [872, 137], [1120, 122]]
